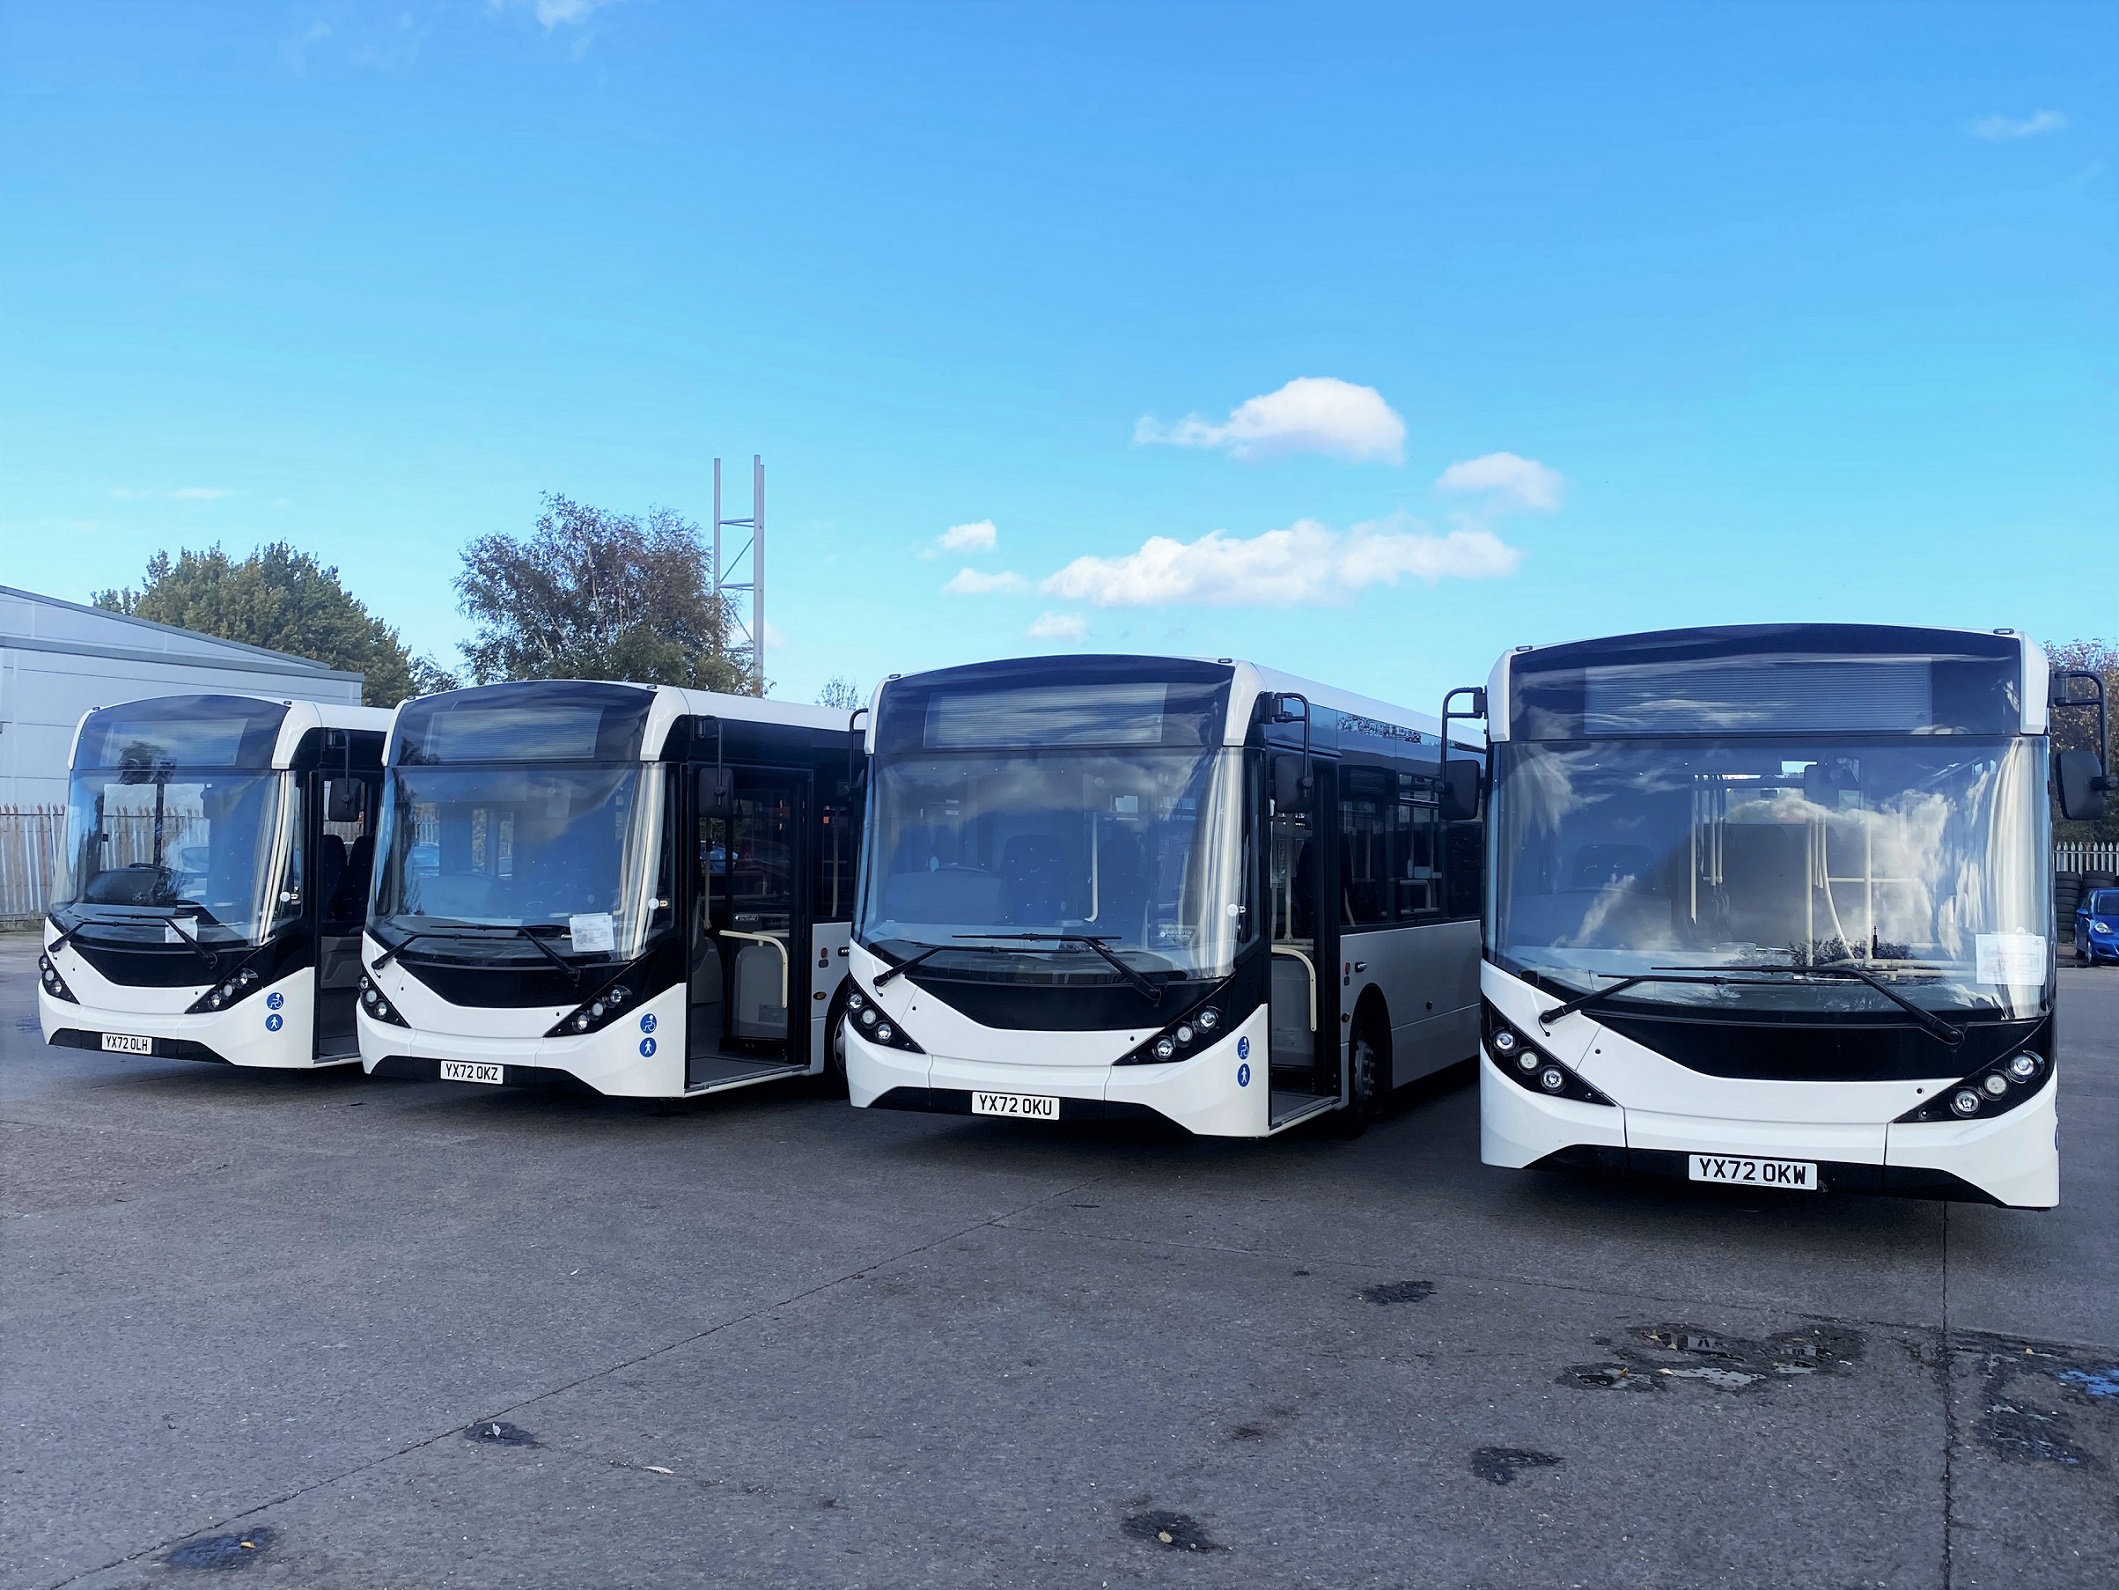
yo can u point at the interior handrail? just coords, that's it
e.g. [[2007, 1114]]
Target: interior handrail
[[764, 938], [1308, 966]]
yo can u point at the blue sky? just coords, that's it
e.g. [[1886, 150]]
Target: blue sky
[[1365, 342]]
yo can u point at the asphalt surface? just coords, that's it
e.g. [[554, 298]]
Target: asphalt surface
[[777, 1341]]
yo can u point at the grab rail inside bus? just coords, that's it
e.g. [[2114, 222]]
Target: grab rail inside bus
[[764, 938], [1308, 966]]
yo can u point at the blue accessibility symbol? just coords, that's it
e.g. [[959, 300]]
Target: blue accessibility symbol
[[275, 1001], [1243, 1048], [274, 1022], [647, 1023], [1243, 1076], [647, 1046]]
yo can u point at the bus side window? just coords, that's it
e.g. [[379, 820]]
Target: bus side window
[[1467, 861], [1364, 840]]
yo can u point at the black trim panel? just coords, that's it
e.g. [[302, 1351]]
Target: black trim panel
[[165, 1048], [513, 1074], [1898, 1181], [1802, 1049], [957, 1101]]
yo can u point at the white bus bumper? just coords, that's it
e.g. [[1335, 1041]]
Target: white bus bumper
[[272, 1026]]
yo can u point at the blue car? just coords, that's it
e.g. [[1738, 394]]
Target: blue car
[[2097, 926]]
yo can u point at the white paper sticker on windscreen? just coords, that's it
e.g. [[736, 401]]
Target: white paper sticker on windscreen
[[2015, 959], [593, 932]]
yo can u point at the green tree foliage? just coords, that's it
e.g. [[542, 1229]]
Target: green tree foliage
[[841, 692], [2075, 730], [590, 594], [285, 600]]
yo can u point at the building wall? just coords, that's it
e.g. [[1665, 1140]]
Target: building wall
[[58, 659]]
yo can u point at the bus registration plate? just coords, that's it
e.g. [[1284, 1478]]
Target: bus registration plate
[[1022, 1106], [470, 1071], [126, 1043], [1797, 1175]]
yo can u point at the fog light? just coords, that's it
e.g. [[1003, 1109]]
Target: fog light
[[2024, 1067], [1164, 1048], [1551, 1079], [1505, 1043], [886, 1032], [1184, 1034], [1996, 1084], [1208, 1019], [1965, 1102]]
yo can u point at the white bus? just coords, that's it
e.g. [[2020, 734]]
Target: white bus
[[1107, 887], [1773, 906], [633, 890], [219, 853]]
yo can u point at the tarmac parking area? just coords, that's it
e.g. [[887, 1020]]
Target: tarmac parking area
[[324, 1331]]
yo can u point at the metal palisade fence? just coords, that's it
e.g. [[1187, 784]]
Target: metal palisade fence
[[2072, 855], [32, 859]]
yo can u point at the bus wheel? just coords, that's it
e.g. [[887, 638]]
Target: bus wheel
[[829, 1081], [1367, 1085]]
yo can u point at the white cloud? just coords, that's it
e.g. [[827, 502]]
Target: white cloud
[[969, 582], [1305, 565], [1523, 481], [1069, 627], [978, 536], [775, 637], [1311, 414], [2001, 129], [553, 12]]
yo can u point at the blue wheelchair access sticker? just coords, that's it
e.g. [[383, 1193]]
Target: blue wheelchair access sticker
[[275, 1001], [1243, 1076], [647, 1046], [647, 1023], [274, 1022], [1243, 1048]]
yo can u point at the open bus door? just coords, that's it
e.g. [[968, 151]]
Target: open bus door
[[750, 929], [1302, 873], [339, 809]]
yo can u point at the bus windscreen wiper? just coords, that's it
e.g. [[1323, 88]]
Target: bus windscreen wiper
[[390, 951], [910, 962], [1102, 946], [1930, 1023]]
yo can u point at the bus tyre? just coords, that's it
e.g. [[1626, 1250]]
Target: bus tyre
[[829, 1080], [1366, 1088]]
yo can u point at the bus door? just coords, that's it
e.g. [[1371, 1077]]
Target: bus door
[[1302, 869], [750, 925], [340, 808]]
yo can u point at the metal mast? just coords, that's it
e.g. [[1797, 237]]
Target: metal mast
[[750, 560]]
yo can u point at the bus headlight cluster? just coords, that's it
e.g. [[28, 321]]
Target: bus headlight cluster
[[373, 1002], [54, 984], [1181, 1040], [876, 1024], [1530, 1067], [224, 994], [1991, 1090], [591, 1014]]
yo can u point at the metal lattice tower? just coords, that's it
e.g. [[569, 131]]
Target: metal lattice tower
[[750, 560]]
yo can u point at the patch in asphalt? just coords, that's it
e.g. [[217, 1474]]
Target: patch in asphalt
[[1171, 1531], [2014, 1423], [1399, 1292], [221, 1551], [1499, 1465], [498, 1432], [1725, 1363]]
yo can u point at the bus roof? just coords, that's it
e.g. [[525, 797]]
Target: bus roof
[[655, 708], [300, 718]]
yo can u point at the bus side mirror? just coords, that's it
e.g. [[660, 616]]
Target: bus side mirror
[[2080, 781], [717, 792], [1290, 789], [345, 800], [1460, 791]]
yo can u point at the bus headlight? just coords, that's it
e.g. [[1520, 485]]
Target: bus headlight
[[1531, 1068], [1991, 1090], [224, 994], [1180, 1040], [373, 1003], [593, 1014], [54, 984], [877, 1027]]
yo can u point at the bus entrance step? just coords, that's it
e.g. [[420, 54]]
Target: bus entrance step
[[1289, 1107]]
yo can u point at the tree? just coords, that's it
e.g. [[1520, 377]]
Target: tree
[[841, 692], [281, 599], [591, 594], [2077, 730]]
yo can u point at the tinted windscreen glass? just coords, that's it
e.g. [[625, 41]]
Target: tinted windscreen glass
[[1838, 679], [182, 731], [524, 722], [1086, 706], [1921, 860]]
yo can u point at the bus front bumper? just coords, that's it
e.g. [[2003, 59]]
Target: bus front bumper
[[2010, 1159]]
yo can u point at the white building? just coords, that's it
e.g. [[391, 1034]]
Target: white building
[[58, 659]]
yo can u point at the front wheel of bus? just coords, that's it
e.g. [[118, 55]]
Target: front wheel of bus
[[1367, 1087], [829, 1080]]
